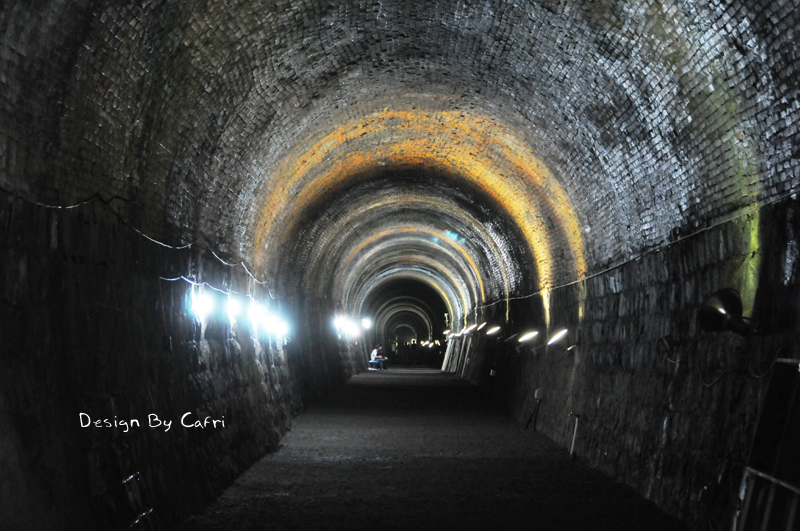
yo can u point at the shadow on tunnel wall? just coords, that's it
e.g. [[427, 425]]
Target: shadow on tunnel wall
[[90, 326], [661, 404]]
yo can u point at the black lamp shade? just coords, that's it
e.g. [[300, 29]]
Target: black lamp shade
[[722, 312]]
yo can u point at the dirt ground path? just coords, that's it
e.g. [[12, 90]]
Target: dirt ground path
[[406, 449]]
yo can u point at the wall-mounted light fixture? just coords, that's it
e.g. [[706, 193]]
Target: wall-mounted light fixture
[[276, 326], [528, 336], [493, 330], [257, 314], [722, 312], [346, 326], [234, 308], [201, 305], [558, 335]]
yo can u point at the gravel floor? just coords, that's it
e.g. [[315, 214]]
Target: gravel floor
[[418, 449]]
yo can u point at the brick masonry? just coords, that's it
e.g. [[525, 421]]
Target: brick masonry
[[89, 326], [662, 405], [655, 121]]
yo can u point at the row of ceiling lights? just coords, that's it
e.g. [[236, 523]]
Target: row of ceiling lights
[[202, 305], [350, 327], [491, 331], [430, 344], [527, 336]]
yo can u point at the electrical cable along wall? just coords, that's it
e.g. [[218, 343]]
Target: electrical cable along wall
[[538, 166], [114, 358]]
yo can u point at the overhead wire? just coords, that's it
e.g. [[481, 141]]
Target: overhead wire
[[771, 365], [206, 284], [98, 196], [107, 202], [792, 192]]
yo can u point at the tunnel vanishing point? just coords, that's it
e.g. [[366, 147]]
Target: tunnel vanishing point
[[201, 200]]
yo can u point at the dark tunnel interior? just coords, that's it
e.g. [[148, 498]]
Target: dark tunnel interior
[[218, 208]]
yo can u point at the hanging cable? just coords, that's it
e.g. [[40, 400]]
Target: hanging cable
[[787, 195], [98, 197], [223, 261], [703, 379], [251, 275], [771, 365], [94, 197]]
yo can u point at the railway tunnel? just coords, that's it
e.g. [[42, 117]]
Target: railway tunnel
[[206, 203]]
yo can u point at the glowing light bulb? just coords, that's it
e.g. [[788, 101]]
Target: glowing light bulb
[[234, 308], [256, 314], [276, 326], [558, 336], [202, 305], [529, 335]]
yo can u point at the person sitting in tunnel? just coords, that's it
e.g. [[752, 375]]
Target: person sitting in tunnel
[[376, 359], [382, 358]]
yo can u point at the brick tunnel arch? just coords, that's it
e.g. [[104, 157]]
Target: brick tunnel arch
[[595, 166], [406, 301], [390, 221]]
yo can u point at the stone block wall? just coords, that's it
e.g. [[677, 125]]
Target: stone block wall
[[661, 404], [89, 326]]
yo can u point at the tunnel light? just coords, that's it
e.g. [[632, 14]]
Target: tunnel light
[[366, 323], [234, 308], [347, 326], [446, 332], [482, 325], [558, 336], [529, 335], [437, 342], [256, 313], [492, 330], [722, 312], [202, 305], [276, 326], [352, 329], [469, 329]]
